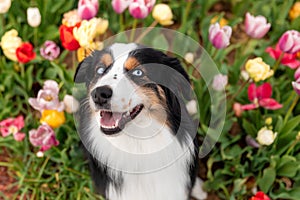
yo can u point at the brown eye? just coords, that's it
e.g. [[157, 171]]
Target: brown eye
[[137, 72]]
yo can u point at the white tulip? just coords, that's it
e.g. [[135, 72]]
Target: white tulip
[[33, 17], [4, 6], [265, 136], [71, 104]]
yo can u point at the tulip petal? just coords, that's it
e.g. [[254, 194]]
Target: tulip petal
[[285, 42], [251, 106], [19, 136], [264, 91], [252, 92], [269, 103]]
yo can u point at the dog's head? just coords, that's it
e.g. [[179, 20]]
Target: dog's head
[[129, 84]]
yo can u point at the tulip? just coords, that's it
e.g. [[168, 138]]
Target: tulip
[[9, 44], [296, 86], [140, 9], [218, 36], [33, 16], [237, 108], [189, 57], [258, 70], [71, 104], [13, 126], [162, 13], [265, 136], [191, 107], [47, 98], [251, 142], [88, 30], [25, 52], [53, 118], [260, 196], [256, 27], [43, 137], [261, 96], [87, 9], [49, 50], [219, 82], [268, 121], [67, 38], [120, 6], [289, 42], [71, 18], [289, 60], [295, 11], [4, 6]]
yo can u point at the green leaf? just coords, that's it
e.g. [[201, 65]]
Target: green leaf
[[267, 179], [249, 128], [288, 166]]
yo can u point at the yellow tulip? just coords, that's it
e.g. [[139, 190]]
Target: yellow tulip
[[222, 21], [258, 70], [162, 13], [53, 118], [89, 30], [295, 11], [9, 44]]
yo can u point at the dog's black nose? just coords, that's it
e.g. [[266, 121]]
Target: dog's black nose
[[101, 95]]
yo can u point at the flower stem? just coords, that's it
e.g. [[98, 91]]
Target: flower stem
[[185, 15], [133, 30], [73, 59], [35, 35], [289, 112], [240, 89], [121, 21], [146, 31], [2, 21], [276, 65]]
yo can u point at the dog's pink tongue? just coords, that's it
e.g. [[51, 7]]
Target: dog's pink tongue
[[110, 119]]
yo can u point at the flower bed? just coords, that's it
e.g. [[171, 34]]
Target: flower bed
[[255, 46]]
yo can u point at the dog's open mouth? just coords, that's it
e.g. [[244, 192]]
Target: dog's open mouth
[[113, 122]]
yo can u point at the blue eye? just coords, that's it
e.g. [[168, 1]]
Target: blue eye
[[100, 70], [137, 72]]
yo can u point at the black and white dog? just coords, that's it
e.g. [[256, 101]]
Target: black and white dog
[[133, 122]]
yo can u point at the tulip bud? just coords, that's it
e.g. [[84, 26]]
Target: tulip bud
[[49, 50], [87, 9], [162, 13], [218, 36], [191, 107], [219, 82], [120, 6], [140, 9], [189, 57], [256, 27], [265, 136], [33, 17], [4, 6], [289, 42], [295, 11]]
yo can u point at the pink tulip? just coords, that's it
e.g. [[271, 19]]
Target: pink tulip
[[261, 96], [49, 50], [289, 42], [256, 27], [219, 82], [140, 9], [289, 60], [87, 9], [218, 36], [13, 126], [43, 137], [47, 98], [120, 6], [296, 85]]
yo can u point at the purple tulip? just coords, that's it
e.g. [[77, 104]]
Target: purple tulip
[[219, 82], [218, 36], [140, 9], [120, 6], [43, 137], [47, 98], [49, 50], [256, 27], [87, 9], [289, 42]]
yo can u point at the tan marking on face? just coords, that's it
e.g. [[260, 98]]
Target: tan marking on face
[[123, 100], [131, 63], [106, 59], [124, 107]]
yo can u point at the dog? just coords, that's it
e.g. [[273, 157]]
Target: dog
[[132, 120]]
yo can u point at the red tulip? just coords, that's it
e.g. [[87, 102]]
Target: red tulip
[[25, 53], [67, 38], [261, 96], [289, 60], [260, 196]]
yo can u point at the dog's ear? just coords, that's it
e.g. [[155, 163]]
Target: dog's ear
[[83, 71]]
